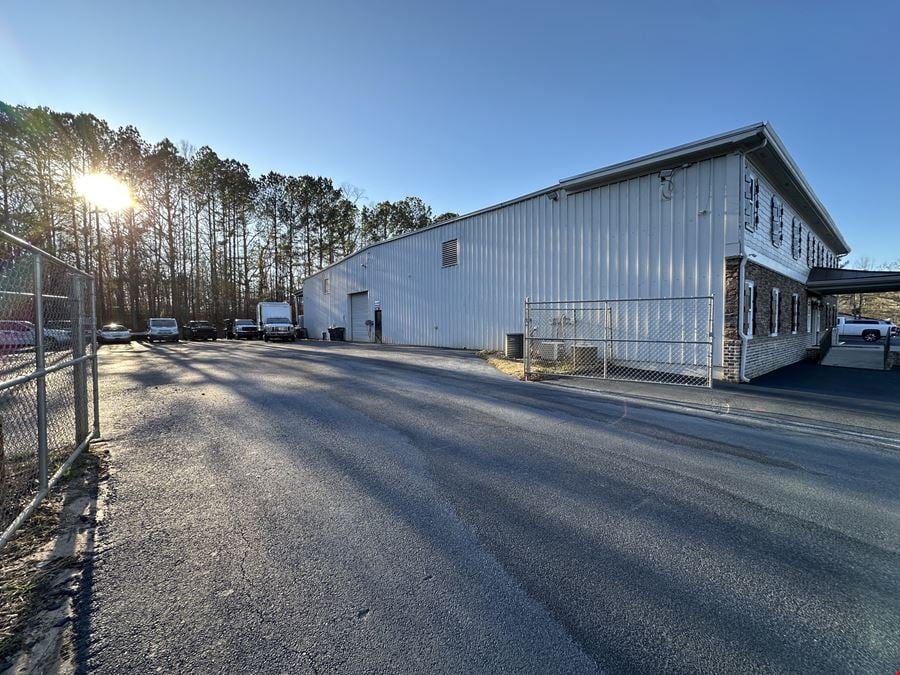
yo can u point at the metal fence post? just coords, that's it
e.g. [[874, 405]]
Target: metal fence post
[[711, 335], [607, 349], [95, 375], [526, 342], [40, 365], [79, 372]]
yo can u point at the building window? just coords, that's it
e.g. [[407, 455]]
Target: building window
[[777, 222], [795, 313], [775, 314], [749, 308], [751, 202], [796, 238], [326, 286], [450, 253]]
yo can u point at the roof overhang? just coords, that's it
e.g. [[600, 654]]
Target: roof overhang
[[767, 151], [827, 281], [713, 146]]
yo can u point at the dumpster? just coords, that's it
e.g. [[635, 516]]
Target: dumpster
[[336, 333]]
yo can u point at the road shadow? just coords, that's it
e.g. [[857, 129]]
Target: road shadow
[[532, 507]]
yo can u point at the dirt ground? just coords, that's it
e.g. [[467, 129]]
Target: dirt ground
[[41, 569]]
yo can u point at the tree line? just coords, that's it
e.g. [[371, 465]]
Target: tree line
[[872, 305], [204, 238]]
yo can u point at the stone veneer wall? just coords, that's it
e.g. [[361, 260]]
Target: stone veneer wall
[[766, 353]]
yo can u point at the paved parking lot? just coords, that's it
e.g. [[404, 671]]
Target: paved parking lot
[[320, 507]]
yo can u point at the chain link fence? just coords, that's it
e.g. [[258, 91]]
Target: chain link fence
[[48, 375], [664, 340]]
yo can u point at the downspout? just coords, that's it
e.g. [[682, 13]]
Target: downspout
[[742, 368]]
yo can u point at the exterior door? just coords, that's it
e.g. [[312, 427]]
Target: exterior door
[[359, 314]]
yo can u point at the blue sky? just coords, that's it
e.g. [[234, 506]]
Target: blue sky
[[470, 103]]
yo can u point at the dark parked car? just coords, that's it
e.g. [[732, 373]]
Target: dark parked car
[[200, 330], [237, 329]]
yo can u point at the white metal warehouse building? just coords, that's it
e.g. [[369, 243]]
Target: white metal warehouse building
[[723, 215]]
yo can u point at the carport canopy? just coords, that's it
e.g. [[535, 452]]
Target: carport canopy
[[827, 281]]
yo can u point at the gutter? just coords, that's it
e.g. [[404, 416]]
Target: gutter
[[742, 368]]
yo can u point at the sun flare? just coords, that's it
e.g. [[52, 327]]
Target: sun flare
[[104, 191]]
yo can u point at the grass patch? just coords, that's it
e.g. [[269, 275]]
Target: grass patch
[[512, 367]]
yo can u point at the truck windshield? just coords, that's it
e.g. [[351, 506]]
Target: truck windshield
[[279, 319], [163, 323], [243, 322]]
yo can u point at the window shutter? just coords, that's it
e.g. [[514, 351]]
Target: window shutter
[[751, 202], [777, 222], [755, 310]]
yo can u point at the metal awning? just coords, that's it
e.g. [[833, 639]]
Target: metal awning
[[829, 281]]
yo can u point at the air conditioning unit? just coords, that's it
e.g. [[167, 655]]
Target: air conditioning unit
[[551, 351]]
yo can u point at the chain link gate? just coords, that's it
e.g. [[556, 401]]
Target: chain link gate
[[48, 375], [664, 340]]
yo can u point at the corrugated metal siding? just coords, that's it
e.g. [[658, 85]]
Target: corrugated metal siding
[[611, 242]]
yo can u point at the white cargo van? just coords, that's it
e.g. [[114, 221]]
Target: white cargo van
[[162, 329]]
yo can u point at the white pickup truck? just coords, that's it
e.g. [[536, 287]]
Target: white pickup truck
[[870, 330]]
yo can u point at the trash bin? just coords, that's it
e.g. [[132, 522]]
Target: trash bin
[[336, 334]]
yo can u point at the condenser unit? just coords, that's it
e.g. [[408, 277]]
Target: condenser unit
[[551, 351]]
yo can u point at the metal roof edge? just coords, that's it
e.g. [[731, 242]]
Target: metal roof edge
[[664, 157], [784, 156]]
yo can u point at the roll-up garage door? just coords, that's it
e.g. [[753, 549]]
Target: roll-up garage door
[[359, 313]]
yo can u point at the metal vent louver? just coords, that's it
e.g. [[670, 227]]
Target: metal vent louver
[[450, 253]]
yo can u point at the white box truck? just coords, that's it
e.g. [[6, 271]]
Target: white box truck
[[274, 321]]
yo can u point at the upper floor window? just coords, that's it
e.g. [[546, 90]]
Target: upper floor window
[[751, 202], [777, 221], [796, 238]]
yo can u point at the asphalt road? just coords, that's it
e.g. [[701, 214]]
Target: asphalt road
[[333, 508]]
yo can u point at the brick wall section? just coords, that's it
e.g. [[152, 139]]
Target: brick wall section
[[731, 352], [766, 353]]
